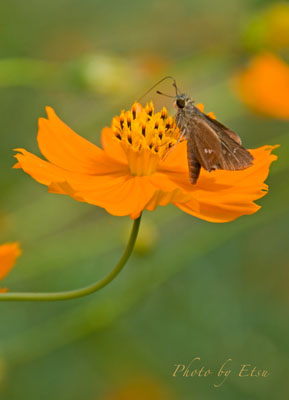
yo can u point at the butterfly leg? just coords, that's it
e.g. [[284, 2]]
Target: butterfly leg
[[178, 141]]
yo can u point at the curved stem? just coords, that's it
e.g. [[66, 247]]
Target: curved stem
[[73, 294]]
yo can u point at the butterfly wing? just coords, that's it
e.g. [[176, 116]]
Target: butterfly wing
[[215, 146], [206, 144], [217, 126], [235, 156]]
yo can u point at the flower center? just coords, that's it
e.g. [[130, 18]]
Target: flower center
[[145, 136]]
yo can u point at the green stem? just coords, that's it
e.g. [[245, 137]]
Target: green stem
[[73, 294]]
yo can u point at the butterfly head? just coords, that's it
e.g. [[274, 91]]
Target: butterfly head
[[182, 100]]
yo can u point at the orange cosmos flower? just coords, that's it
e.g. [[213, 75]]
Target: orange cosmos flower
[[130, 173], [9, 252], [264, 86]]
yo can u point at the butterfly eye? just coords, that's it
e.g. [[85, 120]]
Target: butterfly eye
[[181, 103]]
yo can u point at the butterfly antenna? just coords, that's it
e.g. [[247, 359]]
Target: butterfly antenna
[[156, 84], [164, 94], [177, 90]]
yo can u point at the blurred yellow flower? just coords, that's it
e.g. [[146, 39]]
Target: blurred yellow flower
[[106, 73], [269, 29], [264, 86], [9, 252]]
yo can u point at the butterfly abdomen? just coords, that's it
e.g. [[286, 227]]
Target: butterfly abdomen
[[193, 164]]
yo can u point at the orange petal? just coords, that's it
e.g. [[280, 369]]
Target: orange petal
[[9, 252], [112, 146], [64, 148], [128, 195], [94, 189], [211, 114], [42, 171], [162, 198], [47, 173], [201, 107], [176, 160], [222, 196], [64, 188], [217, 213], [254, 175], [122, 195]]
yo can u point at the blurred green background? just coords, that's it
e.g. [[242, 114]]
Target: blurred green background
[[192, 288]]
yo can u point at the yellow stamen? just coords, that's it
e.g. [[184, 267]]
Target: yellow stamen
[[145, 136]]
